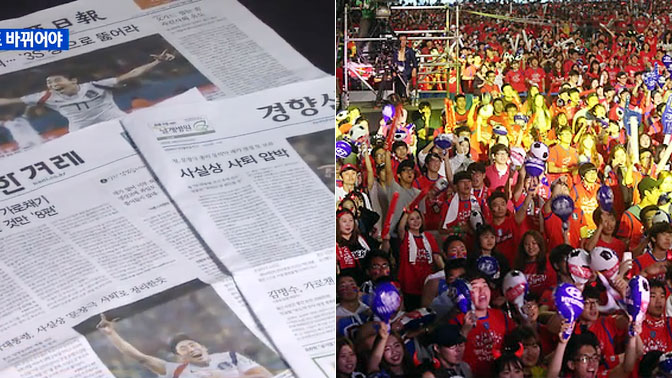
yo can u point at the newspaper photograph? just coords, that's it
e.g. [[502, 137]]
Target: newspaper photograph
[[125, 55], [50, 100], [232, 182], [87, 205], [185, 331]]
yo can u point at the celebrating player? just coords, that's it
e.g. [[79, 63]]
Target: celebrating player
[[194, 359], [86, 103]]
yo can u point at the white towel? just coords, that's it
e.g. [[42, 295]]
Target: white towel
[[413, 248], [454, 208]]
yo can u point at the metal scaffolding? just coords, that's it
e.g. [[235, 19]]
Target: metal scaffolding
[[425, 68]]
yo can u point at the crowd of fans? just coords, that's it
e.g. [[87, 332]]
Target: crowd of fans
[[575, 109]]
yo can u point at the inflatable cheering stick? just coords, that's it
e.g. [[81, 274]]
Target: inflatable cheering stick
[[563, 207], [569, 302], [515, 287], [605, 197], [343, 149], [637, 300], [605, 261], [388, 112], [578, 264], [534, 167], [386, 301], [460, 292], [665, 363], [489, 266], [444, 141]]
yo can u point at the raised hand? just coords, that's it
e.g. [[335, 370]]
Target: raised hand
[[165, 56], [106, 326]]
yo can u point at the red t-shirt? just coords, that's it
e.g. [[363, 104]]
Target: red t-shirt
[[615, 245], [540, 282], [567, 66], [507, 238], [643, 261], [486, 336], [516, 79], [562, 158], [630, 227], [536, 76], [586, 200], [423, 182], [656, 334], [487, 88], [553, 229], [434, 211], [412, 275], [632, 69], [463, 212], [494, 180], [609, 335]]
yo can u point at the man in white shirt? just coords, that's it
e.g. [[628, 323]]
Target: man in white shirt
[[194, 361], [87, 103]]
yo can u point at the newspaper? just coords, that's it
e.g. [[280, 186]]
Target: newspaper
[[101, 277], [125, 55], [254, 176]]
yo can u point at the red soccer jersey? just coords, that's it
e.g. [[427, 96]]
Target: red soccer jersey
[[492, 89], [433, 211], [462, 218], [645, 260], [517, 80], [540, 282], [553, 229], [536, 76], [562, 158], [507, 238], [609, 335], [630, 227], [486, 336], [615, 245], [586, 200], [481, 195], [412, 274], [632, 69], [656, 334], [423, 181]]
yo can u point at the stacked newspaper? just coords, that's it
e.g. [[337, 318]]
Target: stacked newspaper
[[159, 234]]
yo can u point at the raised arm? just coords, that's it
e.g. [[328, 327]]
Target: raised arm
[[591, 243], [106, 327], [369, 168], [401, 228], [141, 70], [474, 106], [448, 169], [378, 348], [555, 366], [389, 178], [666, 157], [521, 213], [10, 101]]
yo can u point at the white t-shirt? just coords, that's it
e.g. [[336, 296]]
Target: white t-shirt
[[22, 132], [91, 104], [342, 311], [230, 364]]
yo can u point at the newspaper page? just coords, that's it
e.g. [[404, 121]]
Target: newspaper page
[[254, 176], [101, 277], [125, 55]]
